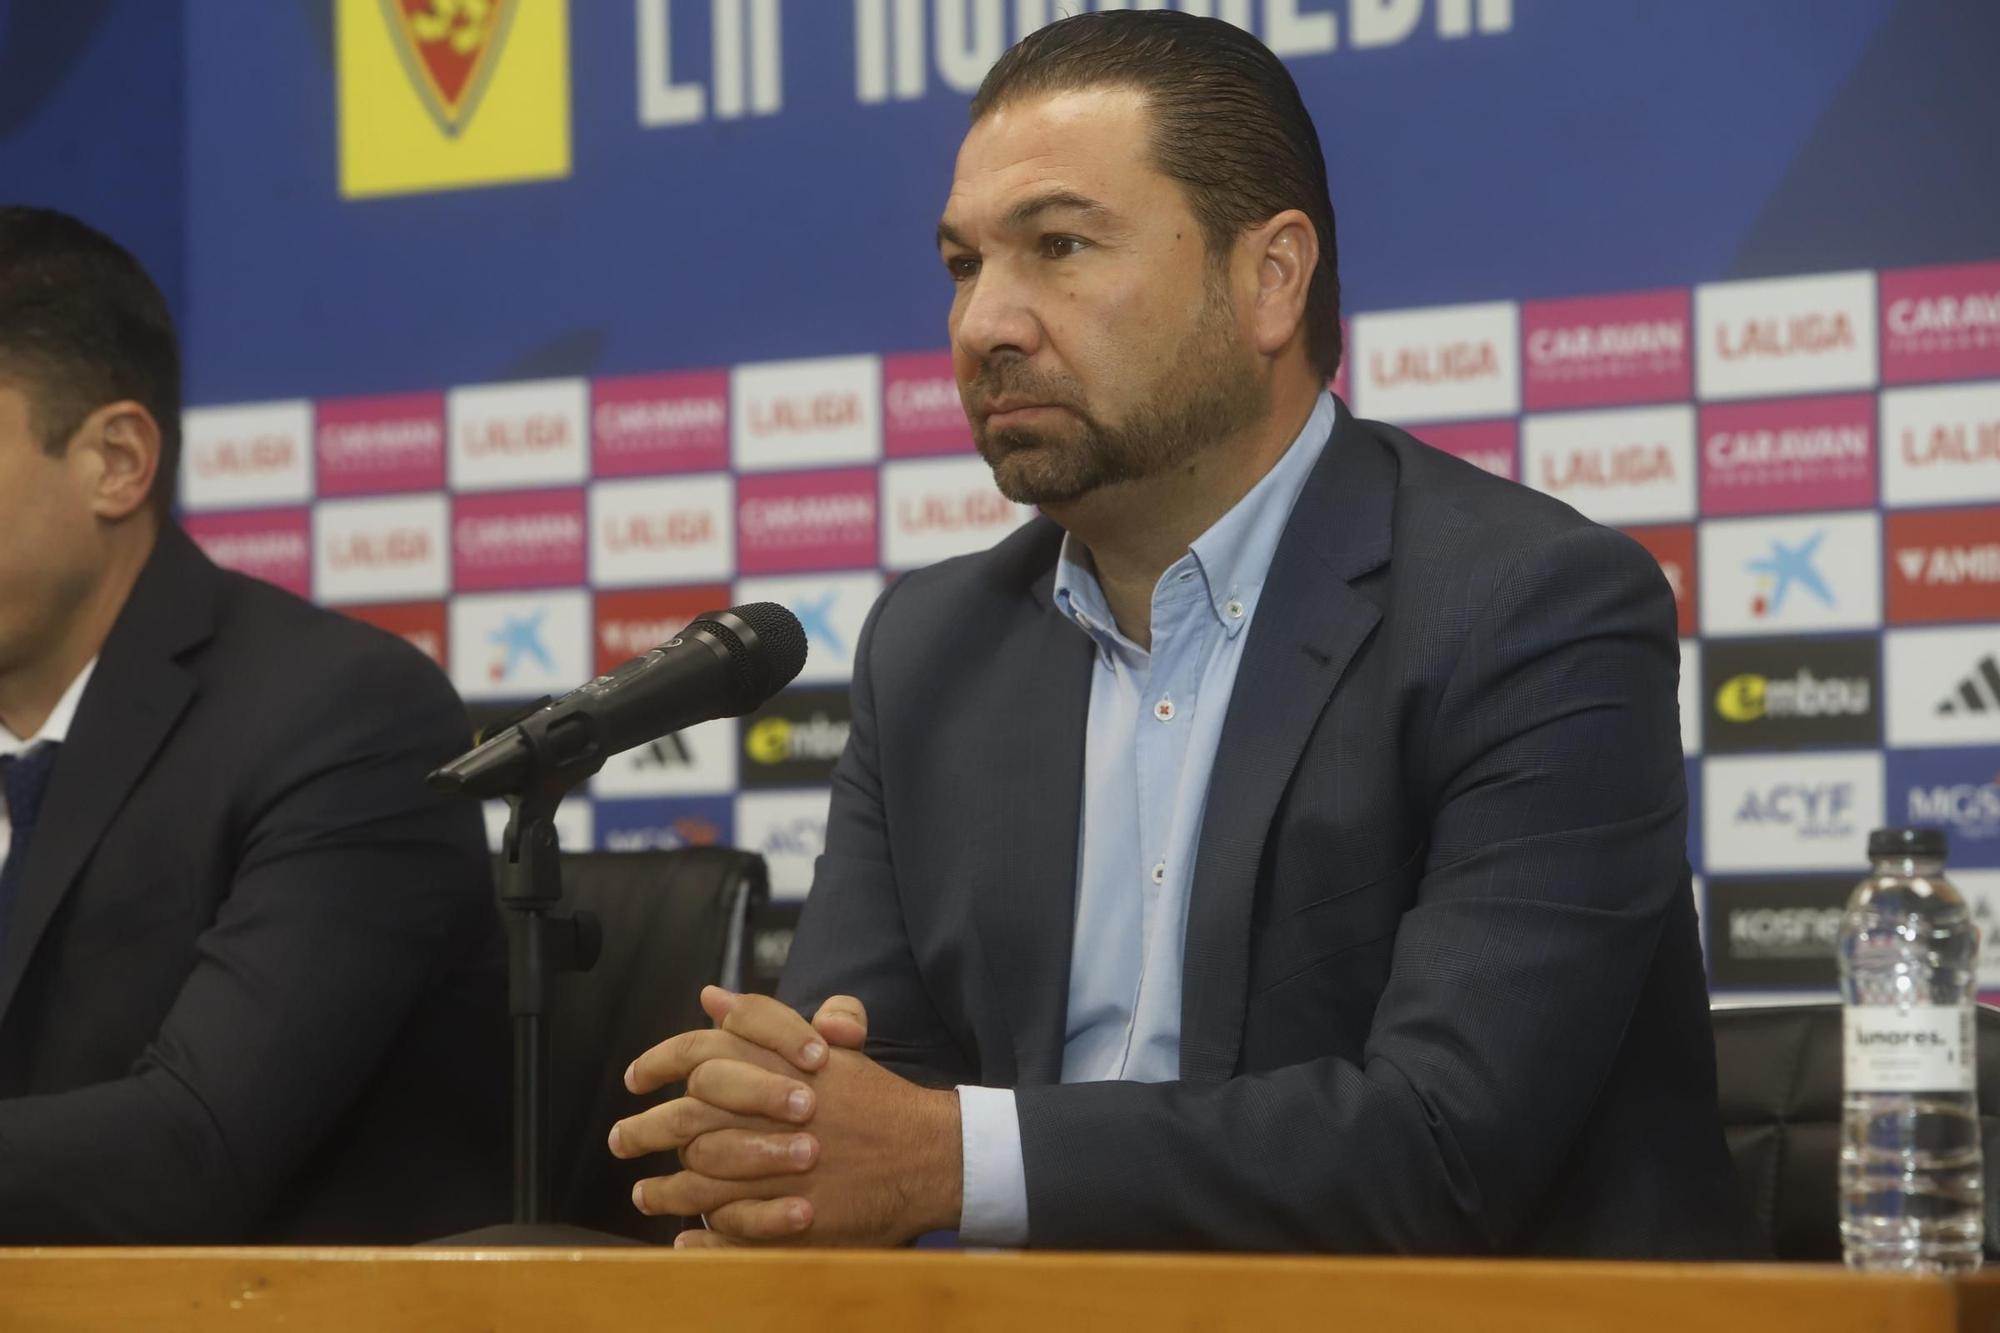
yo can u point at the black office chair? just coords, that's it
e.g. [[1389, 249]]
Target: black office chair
[[672, 922], [1778, 1070]]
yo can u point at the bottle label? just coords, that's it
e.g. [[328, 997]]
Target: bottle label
[[1925, 1048]]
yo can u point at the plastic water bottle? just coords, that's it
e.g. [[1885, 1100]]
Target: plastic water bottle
[[1911, 1189]]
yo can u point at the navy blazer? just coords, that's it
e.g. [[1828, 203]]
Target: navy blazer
[[252, 990], [1442, 986]]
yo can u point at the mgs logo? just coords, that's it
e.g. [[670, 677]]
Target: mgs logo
[[449, 48]]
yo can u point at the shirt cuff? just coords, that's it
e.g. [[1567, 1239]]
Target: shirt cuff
[[995, 1206]]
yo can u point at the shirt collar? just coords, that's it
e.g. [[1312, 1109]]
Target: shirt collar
[[61, 717], [1232, 557]]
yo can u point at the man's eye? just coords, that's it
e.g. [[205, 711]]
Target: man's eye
[[963, 268], [1061, 247]]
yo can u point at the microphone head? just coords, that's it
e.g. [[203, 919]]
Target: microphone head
[[766, 647]]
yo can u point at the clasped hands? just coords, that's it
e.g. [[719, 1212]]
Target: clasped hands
[[788, 1134]]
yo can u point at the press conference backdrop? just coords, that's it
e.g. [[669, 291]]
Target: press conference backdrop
[[528, 329]]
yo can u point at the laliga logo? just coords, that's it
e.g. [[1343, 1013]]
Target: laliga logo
[[1447, 363], [260, 453], [1600, 469], [792, 416], [449, 49], [1801, 335]]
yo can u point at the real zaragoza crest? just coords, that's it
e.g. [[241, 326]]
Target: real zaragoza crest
[[449, 49]]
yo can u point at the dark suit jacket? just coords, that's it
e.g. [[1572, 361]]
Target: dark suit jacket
[[251, 987], [1442, 987]]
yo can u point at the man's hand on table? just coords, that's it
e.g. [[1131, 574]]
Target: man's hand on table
[[788, 1134]]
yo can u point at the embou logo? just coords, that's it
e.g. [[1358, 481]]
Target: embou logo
[[1747, 698]]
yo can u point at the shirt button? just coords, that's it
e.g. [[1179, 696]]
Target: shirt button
[[1159, 872], [1164, 710], [1235, 609]]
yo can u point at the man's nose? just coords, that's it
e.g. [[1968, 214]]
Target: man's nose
[[996, 316]]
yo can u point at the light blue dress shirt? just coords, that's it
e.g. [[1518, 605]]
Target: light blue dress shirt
[[1155, 722]]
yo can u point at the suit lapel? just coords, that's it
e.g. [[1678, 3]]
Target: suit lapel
[[1027, 914], [135, 696], [1309, 624]]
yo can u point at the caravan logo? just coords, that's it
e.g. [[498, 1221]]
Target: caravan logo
[[1941, 323], [1802, 453]]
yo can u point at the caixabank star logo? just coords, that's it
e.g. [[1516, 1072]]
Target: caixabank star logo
[[446, 94]]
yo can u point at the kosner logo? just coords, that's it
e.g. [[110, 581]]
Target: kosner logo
[[1784, 932]]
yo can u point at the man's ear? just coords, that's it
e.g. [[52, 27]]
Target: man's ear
[[119, 447], [1286, 253]]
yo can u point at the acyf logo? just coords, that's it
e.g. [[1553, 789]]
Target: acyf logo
[[1808, 809]]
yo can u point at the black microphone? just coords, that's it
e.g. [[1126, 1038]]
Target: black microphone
[[724, 664]]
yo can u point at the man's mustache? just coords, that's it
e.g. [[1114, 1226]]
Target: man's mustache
[[1017, 381]]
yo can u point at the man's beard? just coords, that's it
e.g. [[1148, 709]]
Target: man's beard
[[1210, 392]]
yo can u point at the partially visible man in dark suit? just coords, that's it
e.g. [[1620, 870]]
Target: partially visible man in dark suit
[[249, 964], [1279, 845]]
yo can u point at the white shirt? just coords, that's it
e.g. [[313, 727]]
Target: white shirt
[[53, 731]]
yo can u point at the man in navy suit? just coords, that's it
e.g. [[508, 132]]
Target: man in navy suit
[[1277, 845], [251, 982]]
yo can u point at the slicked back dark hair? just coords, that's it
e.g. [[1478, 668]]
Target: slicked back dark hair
[[1228, 124], [82, 325]]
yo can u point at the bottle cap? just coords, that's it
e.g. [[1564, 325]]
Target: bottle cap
[[1928, 843]]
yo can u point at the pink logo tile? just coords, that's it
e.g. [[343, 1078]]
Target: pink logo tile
[[642, 425], [790, 522], [1797, 453], [1940, 323], [370, 446], [921, 412], [274, 545], [1595, 350], [1493, 445], [527, 539]]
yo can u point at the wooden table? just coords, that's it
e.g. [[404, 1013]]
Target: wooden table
[[637, 1291]]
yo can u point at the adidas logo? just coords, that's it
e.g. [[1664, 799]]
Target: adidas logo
[[1977, 693]]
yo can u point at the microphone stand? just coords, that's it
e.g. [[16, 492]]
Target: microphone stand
[[540, 943]]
